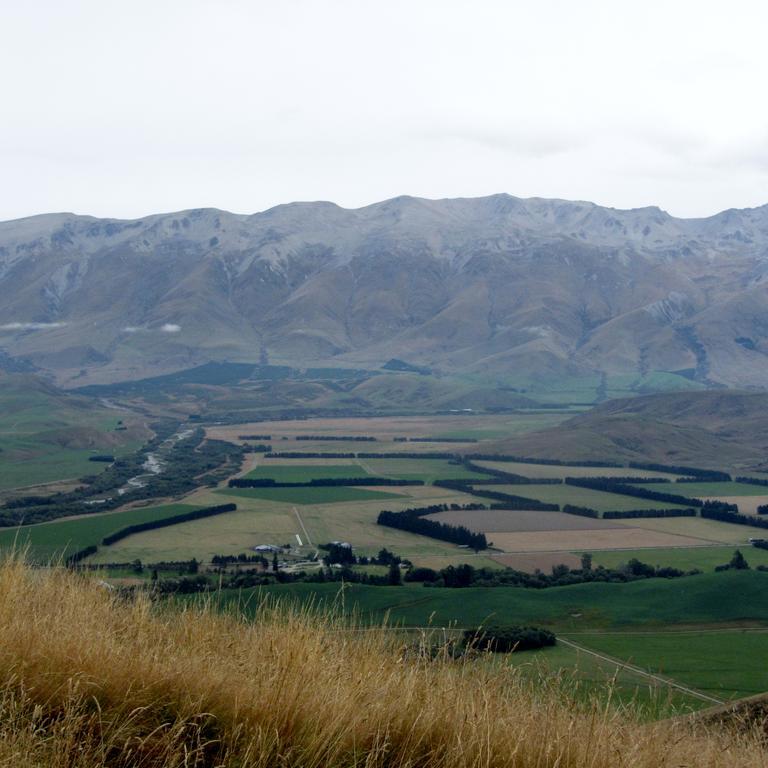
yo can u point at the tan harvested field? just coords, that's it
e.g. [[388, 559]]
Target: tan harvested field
[[548, 472], [747, 504], [569, 541], [458, 426], [513, 521], [711, 530], [543, 561]]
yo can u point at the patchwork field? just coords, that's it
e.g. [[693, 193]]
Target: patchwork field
[[467, 426], [264, 521]]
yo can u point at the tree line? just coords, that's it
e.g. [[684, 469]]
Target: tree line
[[701, 475], [607, 485], [185, 517], [509, 500], [414, 520]]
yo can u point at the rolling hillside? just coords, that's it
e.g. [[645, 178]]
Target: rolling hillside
[[712, 428]]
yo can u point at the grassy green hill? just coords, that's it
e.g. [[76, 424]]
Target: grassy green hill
[[47, 434], [707, 599]]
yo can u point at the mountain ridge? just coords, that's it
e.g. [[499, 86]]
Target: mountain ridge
[[495, 286]]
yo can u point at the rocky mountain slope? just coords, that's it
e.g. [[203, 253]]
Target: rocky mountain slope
[[492, 286]]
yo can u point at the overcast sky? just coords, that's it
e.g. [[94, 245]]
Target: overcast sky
[[126, 108]]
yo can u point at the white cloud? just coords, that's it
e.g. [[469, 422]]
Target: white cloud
[[19, 326], [132, 329], [624, 104], [170, 328]]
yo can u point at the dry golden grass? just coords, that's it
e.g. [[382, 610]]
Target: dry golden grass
[[90, 680]]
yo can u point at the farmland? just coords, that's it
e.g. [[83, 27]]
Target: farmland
[[63, 537], [583, 497], [262, 521], [552, 471], [309, 495], [726, 664], [305, 517], [466, 426], [701, 490]]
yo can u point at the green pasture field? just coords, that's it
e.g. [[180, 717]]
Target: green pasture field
[[584, 676], [582, 497], [427, 470], [724, 664], [684, 558], [42, 433], [709, 599], [47, 541], [697, 490], [318, 495], [49, 465]]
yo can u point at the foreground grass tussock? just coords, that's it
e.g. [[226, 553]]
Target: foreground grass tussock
[[88, 679]]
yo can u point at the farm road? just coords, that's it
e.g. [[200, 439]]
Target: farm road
[[303, 527], [659, 679]]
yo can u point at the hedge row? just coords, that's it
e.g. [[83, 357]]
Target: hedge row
[[710, 475], [606, 485], [195, 514]]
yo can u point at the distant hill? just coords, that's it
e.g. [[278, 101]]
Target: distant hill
[[490, 287], [714, 428]]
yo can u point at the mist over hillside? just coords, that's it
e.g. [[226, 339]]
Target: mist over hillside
[[489, 287]]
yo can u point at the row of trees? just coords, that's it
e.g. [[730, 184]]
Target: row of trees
[[752, 481], [509, 500], [414, 520], [701, 475], [726, 514], [185, 517], [607, 485], [628, 514], [560, 576]]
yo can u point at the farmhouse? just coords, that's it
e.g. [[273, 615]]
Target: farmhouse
[[266, 548]]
